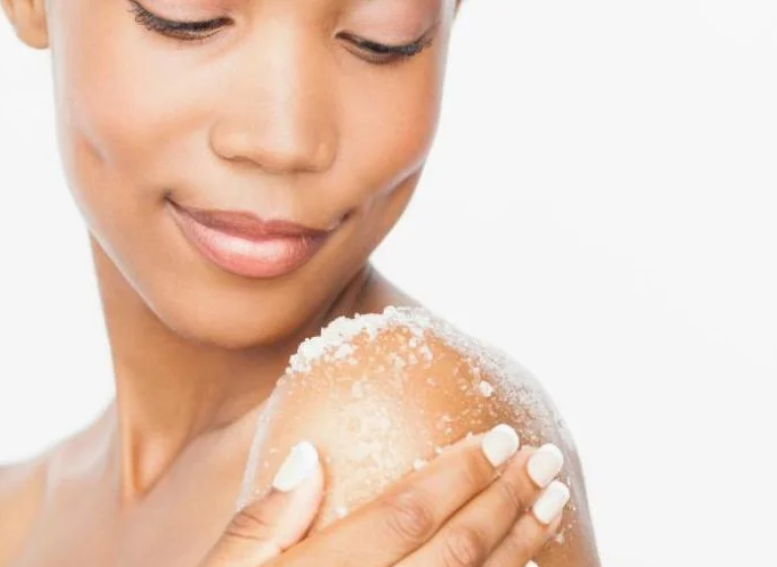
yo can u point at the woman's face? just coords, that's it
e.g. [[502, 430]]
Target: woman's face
[[277, 110]]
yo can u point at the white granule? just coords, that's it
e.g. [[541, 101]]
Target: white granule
[[340, 331], [399, 362], [444, 421], [418, 464], [485, 388], [341, 511], [343, 350]]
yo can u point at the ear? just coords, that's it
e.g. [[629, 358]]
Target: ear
[[28, 17]]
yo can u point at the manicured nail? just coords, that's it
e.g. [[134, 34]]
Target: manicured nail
[[302, 460], [551, 502], [500, 444], [545, 464]]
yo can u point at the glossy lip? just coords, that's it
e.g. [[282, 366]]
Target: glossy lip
[[243, 244]]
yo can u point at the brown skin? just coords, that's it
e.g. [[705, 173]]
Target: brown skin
[[278, 114]]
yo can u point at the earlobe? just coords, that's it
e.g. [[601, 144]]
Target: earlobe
[[28, 17]]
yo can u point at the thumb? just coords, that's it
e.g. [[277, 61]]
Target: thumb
[[266, 527]]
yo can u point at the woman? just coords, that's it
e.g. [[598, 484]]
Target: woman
[[236, 162]]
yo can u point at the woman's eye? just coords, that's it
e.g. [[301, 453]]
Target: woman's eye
[[186, 31], [381, 54]]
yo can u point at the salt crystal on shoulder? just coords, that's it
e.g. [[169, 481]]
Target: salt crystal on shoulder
[[485, 388]]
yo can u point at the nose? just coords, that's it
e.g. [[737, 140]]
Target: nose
[[276, 109]]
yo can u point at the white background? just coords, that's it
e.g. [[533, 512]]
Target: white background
[[600, 202]]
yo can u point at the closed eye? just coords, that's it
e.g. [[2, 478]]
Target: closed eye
[[380, 51], [187, 31]]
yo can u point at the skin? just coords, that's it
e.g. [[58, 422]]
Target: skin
[[278, 114], [395, 402]]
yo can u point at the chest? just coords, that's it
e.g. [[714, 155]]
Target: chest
[[155, 535]]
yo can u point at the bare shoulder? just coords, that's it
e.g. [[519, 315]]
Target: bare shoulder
[[21, 490], [381, 394], [27, 489]]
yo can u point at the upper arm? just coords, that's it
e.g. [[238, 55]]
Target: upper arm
[[378, 402]]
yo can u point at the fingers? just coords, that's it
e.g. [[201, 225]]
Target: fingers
[[477, 530], [265, 528], [525, 539], [409, 513], [538, 524]]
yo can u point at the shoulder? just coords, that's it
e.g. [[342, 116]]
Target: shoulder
[[441, 378], [21, 489], [382, 393], [29, 489]]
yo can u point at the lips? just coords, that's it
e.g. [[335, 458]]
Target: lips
[[243, 244]]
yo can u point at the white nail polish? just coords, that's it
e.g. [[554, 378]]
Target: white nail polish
[[545, 464], [302, 461], [501, 443], [551, 502]]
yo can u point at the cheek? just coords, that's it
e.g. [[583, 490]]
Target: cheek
[[388, 128], [121, 98], [388, 125], [121, 125]]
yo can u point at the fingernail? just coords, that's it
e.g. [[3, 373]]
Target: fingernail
[[551, 502], [302, 461], [500, 444], [531, 564], [545, 464]]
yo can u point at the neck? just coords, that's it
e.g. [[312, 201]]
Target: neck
[[171, 390]]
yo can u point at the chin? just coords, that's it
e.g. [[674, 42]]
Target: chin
[[230, 320]]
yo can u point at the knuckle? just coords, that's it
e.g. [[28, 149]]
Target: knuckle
[[476, 471], [511, 494], [249, 524], [464, 547], [527, 537], [517, 545], [408, 517]]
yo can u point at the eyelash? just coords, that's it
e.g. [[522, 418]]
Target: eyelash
[[381, 54]]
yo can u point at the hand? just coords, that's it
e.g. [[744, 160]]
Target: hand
[[479, 503]]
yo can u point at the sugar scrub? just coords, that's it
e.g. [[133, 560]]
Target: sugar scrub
[[383, 394]]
